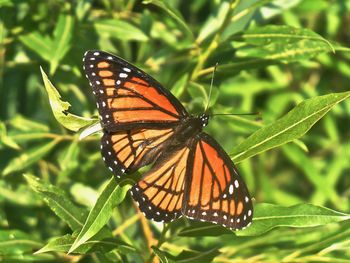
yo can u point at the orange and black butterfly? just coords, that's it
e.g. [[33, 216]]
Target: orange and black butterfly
[[143, 123]]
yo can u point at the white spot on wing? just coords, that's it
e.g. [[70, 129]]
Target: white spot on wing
[[230, 190], [123, 75], [96, 53], [127, 69], [236, 183]]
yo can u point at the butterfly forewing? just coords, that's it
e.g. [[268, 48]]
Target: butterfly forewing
[[160, 192], [127, 97], [215, 192]]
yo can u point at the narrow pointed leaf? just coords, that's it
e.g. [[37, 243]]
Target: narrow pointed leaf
[[112, 195], [59, 108], [59, 202], [14, 242], [62, 38], [174, 13], [269, 216], [290, 127], [28, 158], [280, 34], [119, 30], [62, 244], [41, 45]]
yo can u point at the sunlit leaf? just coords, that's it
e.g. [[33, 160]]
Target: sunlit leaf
[[59, 202], [42, 45], [290, 127], [120, 30], [112, 195], [61, 42], [95, 244], [60, 108], [268, 216]]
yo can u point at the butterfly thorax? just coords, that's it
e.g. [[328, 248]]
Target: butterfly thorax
[[190, 127]]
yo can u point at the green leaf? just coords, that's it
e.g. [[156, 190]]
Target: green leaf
[[290, 127], [16, 242], [202, 229], [268, 216], [163, 256], [42, 45], [119, 30], [5, 139], [29, 158], [280, 34], [61, 42], [24, 124], [214, 22], [187, 256], [95, 244], [59, 202], [283, 43], [59, 108], [174, 13], [112, 195], [179, 86]]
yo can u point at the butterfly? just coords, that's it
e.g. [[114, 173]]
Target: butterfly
[[144, 124]]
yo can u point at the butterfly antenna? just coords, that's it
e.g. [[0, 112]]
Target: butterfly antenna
[[235, 114], [211, 87]]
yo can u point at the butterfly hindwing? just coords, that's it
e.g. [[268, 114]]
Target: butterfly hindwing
[[214, 191], [126, 151], [128, 97], [160, 192]]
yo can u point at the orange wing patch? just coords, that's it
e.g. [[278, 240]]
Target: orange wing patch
[[126, 96], [129, 150], [215, 193], [160, 193]]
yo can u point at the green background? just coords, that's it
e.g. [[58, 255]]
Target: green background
[[271, 55]]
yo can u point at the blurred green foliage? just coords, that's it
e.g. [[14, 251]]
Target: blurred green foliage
[[272, 55]]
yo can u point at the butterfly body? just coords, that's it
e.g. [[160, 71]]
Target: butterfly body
[[144, 124]]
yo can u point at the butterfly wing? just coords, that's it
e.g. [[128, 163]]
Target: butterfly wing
[[128, 98], [160, 192], [127, 151], [214, 191]]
